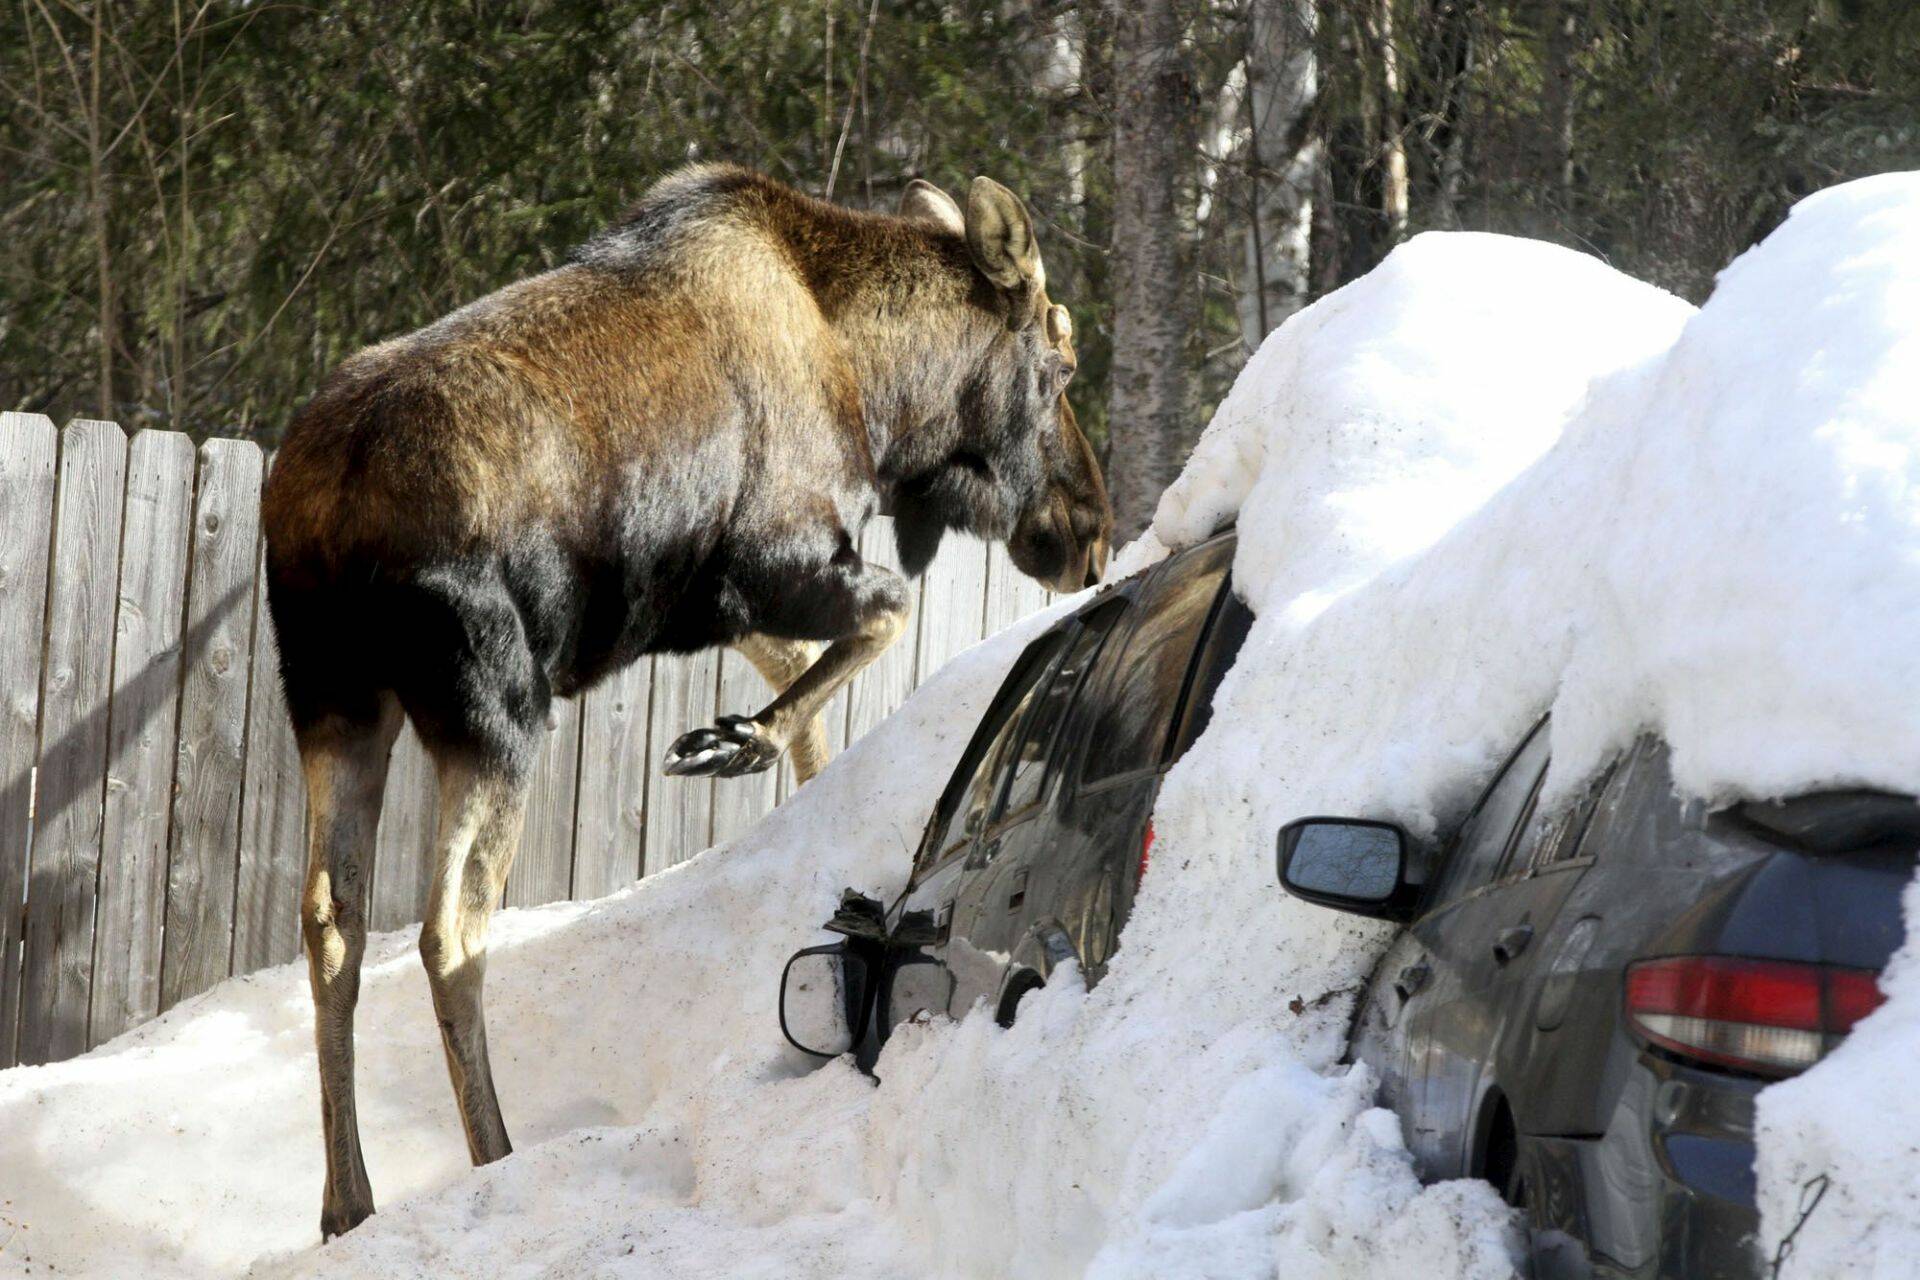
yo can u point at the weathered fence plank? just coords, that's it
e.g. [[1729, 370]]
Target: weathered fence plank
[[142, 731], [210, 763], [679, 810], [57, 952], [738, 803], [402, 861], [615, 759], [29, 448], [1011, 594], [273, 812], [876, 692], [543, 867], [952, 603]]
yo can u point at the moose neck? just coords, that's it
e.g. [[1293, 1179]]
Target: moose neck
[[915, 321]]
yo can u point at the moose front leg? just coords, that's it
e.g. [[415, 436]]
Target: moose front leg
[[780, 663], [871, 602]]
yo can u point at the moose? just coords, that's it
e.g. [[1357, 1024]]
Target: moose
[[668, 443]]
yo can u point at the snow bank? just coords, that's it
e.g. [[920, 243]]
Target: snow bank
[[1489, 478]]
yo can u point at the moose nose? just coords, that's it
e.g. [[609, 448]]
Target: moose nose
[[1097, 561]]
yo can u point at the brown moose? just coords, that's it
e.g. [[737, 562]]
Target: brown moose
[[669, 443]]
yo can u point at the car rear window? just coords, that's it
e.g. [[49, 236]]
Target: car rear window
[[1835, 821], [1230, 627], [1133, 719]]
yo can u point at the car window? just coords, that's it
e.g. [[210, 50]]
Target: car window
[[1556, 833], [964, 804], [1479, 852], [1232, 621], [1140, 690], [1026, 765]]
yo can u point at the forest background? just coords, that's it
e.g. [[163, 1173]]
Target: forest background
[[205, 204]]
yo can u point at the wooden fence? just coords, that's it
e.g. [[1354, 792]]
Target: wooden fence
[[151, 808]]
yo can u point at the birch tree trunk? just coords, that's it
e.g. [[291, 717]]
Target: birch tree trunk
[[1150, 413], [1394, 202], [1283, 163]]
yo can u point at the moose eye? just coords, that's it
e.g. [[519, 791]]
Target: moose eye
[[1055, 372]]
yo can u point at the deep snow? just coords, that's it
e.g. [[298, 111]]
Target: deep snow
[[1491, 477]]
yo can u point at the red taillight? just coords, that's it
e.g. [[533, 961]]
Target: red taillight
[[1769, 1016], [1146, 851]]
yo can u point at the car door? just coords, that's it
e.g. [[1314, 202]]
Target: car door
[[935, 967], [1500, 940], [1028, 904], [1448, 1034], [1381, 1025]]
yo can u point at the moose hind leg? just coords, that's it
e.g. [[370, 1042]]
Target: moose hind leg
[[481, 809], [345, 763]]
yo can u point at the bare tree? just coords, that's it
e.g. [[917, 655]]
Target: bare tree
[[1150, 411], [1284, 157], [1394, 201]]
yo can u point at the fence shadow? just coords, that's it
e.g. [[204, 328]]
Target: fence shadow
[[63, 762]]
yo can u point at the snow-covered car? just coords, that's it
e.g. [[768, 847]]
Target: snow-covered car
[[1039, 840], [1583, 1002], [1587, 995]]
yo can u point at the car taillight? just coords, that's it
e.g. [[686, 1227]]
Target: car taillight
[[1146, 851], [1768, 1016]]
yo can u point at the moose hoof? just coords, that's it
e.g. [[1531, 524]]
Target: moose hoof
[[337, 1220], [733, 746]]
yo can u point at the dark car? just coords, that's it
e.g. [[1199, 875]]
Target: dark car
[[1039, 840], [1585, 996], [1588, 995]]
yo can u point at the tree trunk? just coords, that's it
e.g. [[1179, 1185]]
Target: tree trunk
[[1283, 163], [1393, 143], [1150, 400], [1446, 60], [1558, 19]]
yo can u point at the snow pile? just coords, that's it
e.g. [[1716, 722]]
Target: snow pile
[[1489, 478]]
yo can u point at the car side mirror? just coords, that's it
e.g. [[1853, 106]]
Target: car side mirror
[[824, 997], [1350, 864]]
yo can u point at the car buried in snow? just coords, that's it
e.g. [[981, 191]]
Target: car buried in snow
[[1583, 999], [1038, 842]]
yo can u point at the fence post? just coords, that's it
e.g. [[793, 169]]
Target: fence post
[[64, 867], [28, 448]]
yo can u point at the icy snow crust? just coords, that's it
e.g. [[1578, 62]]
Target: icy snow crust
[[1489, 478]]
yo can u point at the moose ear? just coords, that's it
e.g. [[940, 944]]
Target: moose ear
[[928, 203], [1000, 235]]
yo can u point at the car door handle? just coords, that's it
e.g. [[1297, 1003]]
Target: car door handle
[[1411, 979], [1511, 943], [1019, 894]]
